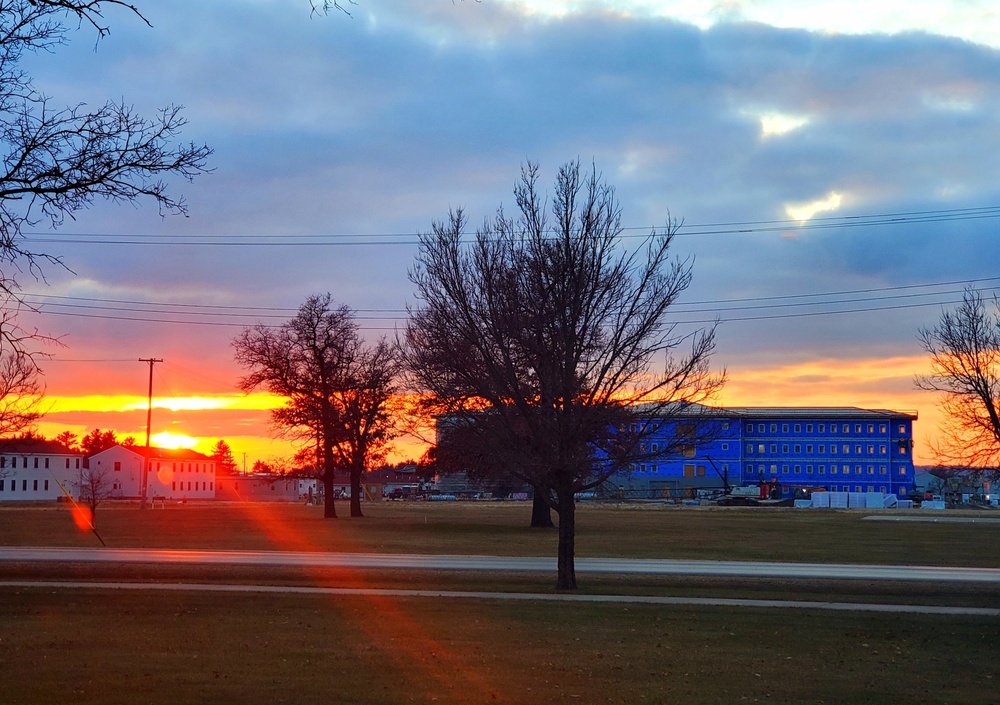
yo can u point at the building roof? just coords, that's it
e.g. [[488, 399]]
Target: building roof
[[804, 412], [34, 446], [164, 453]]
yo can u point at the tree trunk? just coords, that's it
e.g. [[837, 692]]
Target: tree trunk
[[566, 578], [356, 492], [541, 513], [329, 508]]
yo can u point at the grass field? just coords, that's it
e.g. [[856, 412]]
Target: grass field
[[97, 646]]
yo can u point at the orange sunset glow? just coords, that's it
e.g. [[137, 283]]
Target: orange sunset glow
[[198, 419]]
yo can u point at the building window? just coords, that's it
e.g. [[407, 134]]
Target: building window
[[652, 468], [822, 449], [24, 485], [847, 449], [701, 471], [857, 428], [882, 489], [902, 469], [809, 428], [760, 447], [881, 428], [725, 446], [871, 428], [881, 469], [774, 428], [46, 463], [798, 448], [847, 428], [725, 425], [760, 428], [871, 450], [774, 468], [798, 428], [173, 485], [784, 447], [833, 449], [67, 463], [902, 448], [798, 469], [809, 449], [118, 466], [822, 428], [774, 448], [46, 485], [871, 469], [34, 485], [857, 450], [784, 469], [784, 428], [902, 429], [847, 469], [833, 469], [881, 450], [654, 447], [822, 469]]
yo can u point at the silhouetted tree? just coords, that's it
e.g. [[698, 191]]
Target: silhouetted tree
[[98, 440], [337, 388], [57, 161], [223, 456], [965, 369], [538, 338], [21, 393], [68, 439]]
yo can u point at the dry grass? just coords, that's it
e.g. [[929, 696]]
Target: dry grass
[[86, 647], [96, 646], [496, 528]]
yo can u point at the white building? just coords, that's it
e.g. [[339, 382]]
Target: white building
[[173, 473], [33, 470]]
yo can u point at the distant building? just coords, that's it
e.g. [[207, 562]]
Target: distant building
[[843, 449], [173, 473], [840, 449], [262, 487], [37, 470]]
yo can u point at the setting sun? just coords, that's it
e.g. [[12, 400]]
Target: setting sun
[[166, 439]]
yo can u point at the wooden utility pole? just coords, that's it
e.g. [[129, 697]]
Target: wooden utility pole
[[149, 420]]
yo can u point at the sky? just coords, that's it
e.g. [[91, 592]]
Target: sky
[[833, 163]]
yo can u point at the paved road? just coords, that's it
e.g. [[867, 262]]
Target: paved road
[[502, 563], [517, 596]]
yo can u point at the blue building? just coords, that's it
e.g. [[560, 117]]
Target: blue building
[[842, 449]]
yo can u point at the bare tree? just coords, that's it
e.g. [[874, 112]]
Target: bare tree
[[55, 161], [93, 487], [21, 393], [538, 338], [338, 389], [965, 369]]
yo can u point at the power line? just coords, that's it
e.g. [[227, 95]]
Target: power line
[[410, 239], [786, 302]]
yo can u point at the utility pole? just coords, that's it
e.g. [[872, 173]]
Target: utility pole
[[149, 420]]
